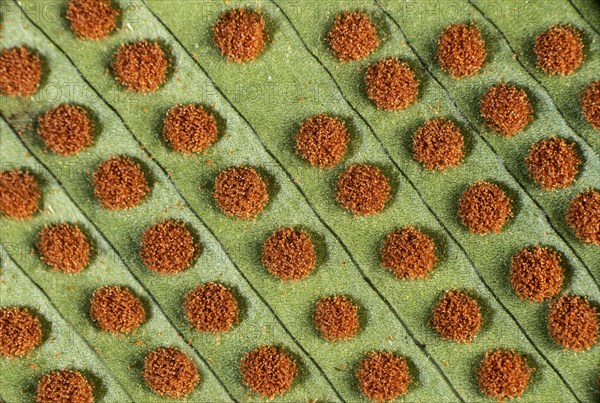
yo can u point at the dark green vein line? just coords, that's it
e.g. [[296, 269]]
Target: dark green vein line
[[563, 118], [518, 59], [87, 343], [417, 342], [121, 259], [441, 223], [584, 18], [261, 298], [493, 293], [476, 129]]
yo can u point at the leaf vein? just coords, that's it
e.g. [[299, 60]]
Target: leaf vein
[[123, 261]]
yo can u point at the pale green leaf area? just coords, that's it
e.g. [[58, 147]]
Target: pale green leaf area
[[274, 94], [122, 355], [528, 20], [62, 347]]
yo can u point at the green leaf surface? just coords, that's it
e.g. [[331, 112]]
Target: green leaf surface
[[260, 106], [62, 347]]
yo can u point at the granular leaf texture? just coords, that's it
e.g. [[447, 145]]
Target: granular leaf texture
[[322, 140], [240, 34], [438, 144], [536, 274], [583, 215], [92, 19], [211, 307], [20, 72], [457, 317], [168, 247], [116, 309], [241, 192], [120, 183], [573, 322], [190, 128], [268, 371], [170, 373], [289, 254], [336, 317], [408, 253], [504, 374], [19, 194], [383, 376], [553, 163], [20, 331], [559, 50], [64, 386], [391, 84], [66, 129], [352, 36], [258, 108], [484, 207], [506, 109], [363, 189], [140, 66], [590, 104], [461, 50], [64, 247]]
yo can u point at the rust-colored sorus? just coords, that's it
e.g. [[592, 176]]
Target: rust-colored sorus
[[352, 36], [92, 19], [289, 254], [461, 50], [64, 247], [504, 374], [66, 129], [484, 208], [506, 109], [336, 317], [241, 192], [240, 34], [322, 140], [268, 371], [20, 331], [117, 309], [211, 307], [168, 247], [559, 50], [140, 66], [391, 84], [363, 189], [120, 183], [19, 194], [383, 376], [583, 215], [169, 372], [20, 72]]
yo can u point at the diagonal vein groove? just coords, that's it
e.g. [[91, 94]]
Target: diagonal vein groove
[[494, 295], [538, 82], [40, 289], [499, 158], [121, 259], [485, 140], [418, 343], [583, 17], [261, 298]]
